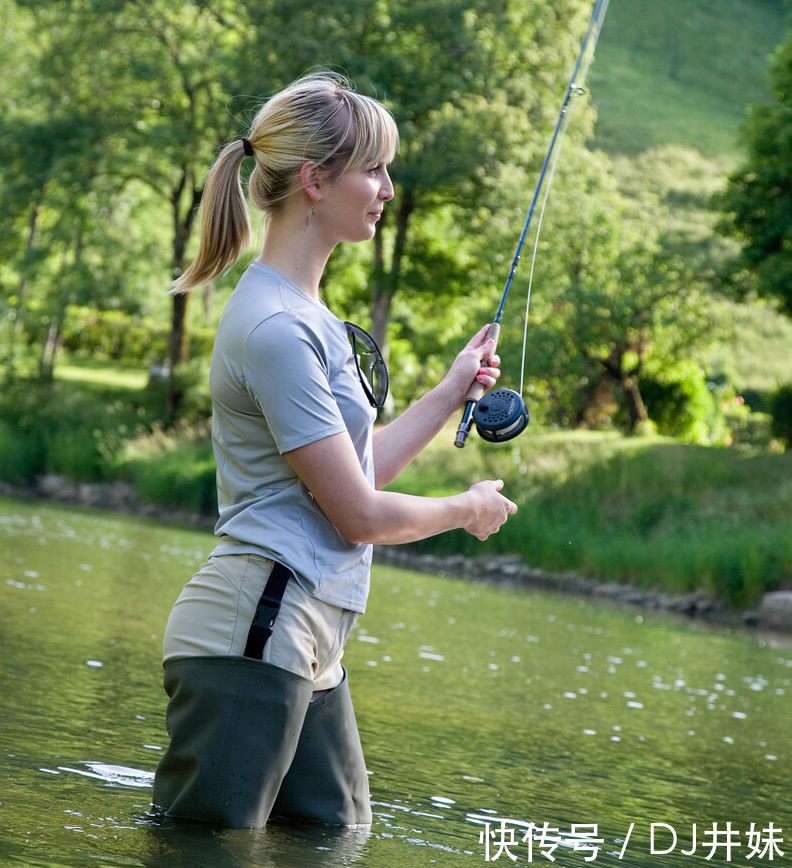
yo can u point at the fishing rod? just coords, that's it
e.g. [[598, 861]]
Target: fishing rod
[[503, 414]]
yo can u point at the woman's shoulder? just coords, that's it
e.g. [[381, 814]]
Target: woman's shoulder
[[268, 309]]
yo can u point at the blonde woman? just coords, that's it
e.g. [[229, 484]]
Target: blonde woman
[[259, 715]]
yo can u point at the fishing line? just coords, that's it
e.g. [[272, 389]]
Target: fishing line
[[504, 415], [579, 90]]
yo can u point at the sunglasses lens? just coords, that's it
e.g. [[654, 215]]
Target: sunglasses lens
[[371, 366]]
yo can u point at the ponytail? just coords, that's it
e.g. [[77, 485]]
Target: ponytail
[[318, 118], [225, 224]]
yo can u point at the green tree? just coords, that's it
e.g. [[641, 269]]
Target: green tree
[[66, 235], [474, 87], [608, 302], [160, 86], [758, 200], [171, 64]]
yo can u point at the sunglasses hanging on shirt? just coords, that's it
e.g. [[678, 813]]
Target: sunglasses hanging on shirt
[[370, 365]]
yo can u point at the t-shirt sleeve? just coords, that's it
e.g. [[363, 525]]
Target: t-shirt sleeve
[[288, 376]]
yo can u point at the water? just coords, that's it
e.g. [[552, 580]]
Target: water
[[481, 711]]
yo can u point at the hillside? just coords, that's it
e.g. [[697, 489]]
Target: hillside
[[671, 81], [681, 72]]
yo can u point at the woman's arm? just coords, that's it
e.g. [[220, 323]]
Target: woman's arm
[[331, 471], [396, 444]]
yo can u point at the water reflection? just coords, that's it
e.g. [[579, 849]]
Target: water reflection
[[277, 846], [480, 710]]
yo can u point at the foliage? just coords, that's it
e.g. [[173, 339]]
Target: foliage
[[680, 403], [68, 429], [646, 511], [781, 413], [173, 468], [130, 338], [754, 354], [609, 302], [115, 111], [758, 200], [159, 88]]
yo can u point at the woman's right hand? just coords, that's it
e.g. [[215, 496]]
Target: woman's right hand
[[490, 508]]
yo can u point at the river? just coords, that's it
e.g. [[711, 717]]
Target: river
[[499, 725]]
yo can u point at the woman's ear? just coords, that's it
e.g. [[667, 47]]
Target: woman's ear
[[311, 180]]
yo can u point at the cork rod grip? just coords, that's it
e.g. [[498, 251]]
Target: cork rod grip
[[474, 394], [476, 391]]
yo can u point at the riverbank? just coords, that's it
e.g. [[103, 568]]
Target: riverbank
[[774, 611]]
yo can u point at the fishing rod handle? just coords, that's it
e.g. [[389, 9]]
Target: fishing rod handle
[[474, 394], [476, 391]]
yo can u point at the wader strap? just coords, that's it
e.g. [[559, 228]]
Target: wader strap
[[266, 611]]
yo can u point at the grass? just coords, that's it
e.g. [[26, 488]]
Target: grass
[[174, 468], [681, 72], [652, 512], [76, 425], [103, 374], [760, 350], [649, 511]]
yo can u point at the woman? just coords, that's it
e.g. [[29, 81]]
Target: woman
[[259, 714]]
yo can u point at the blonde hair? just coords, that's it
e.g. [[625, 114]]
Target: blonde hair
[[318, 118]]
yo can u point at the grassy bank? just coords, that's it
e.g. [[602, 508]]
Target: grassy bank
[[651, 512], [654, 512], [681, 73]]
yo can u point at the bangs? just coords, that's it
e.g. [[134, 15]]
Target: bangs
[[373, 133], [365, 131]]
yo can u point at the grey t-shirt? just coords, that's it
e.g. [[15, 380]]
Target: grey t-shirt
[[283, 376]]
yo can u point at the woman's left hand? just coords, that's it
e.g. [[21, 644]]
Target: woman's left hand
[[477, 362]]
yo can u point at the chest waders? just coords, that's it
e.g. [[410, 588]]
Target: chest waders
[[247, 742]]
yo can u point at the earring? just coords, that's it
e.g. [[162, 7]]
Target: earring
[[311, 212]]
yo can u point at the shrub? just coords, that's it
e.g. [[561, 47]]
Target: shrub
[[680, 403], [120, 336], [781, 413], [20, 456], [60, 428], [175, 468], [113, 334]]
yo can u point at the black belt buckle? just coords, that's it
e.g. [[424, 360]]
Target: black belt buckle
[[266, 611]]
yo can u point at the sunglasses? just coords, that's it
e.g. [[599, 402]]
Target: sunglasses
[[370, 365]]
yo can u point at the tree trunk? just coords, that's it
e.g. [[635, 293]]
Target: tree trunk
[[51, 341], [628, 383], [16, 323], [636, 409], [177, 344], [178, 339], [47, 363], [386, 283]]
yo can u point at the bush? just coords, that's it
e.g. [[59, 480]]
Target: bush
[[680, 403], [113, 334], [119, 336], [20, 456], [781, 413], [60, 428], [191, 390], [750, 429], [175, 468]]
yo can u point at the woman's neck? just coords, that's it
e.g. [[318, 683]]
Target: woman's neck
[[297, 251]]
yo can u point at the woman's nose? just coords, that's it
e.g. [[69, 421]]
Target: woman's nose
[[386, 191]]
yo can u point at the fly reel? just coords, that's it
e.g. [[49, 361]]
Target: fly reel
[[500, 415]]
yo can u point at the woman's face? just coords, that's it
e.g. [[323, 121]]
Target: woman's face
[[352, 204]]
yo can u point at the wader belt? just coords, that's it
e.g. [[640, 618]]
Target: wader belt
[[266, 611]]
